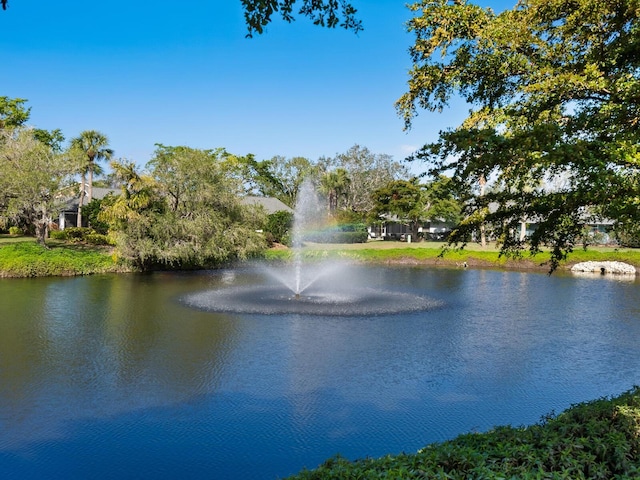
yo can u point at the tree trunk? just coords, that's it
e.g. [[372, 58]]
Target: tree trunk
[[414, 230], [90, 189], [483, 236], [42, 228], [79, 219]]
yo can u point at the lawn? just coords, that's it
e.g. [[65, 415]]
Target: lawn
[[473, 254], [20, 256]]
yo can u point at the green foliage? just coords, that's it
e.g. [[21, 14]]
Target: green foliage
[[31, 174], [349, 178], [76, 234], [13, 113], [278, 225], [346, 233], [554, 125], [58, 235], [28, 259], [413, 203], [325, 13], [278, 177], [598, 439], [400, 198], [91, 212], [85, 235], [15, 230], [628, 235], [97, 239], [185, 214]]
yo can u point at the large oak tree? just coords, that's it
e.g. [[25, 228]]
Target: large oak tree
[[554, 126]]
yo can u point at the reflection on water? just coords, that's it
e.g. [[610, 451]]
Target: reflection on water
[[110, 376]]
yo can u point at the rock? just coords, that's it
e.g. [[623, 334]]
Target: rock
[[617, 268]]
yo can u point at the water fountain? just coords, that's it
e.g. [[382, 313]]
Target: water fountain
[[317, 287]]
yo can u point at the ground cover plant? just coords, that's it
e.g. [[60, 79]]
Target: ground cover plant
[[593, 440], [28, 259]]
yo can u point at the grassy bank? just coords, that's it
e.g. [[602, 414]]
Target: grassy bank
[[593, 440], [22, 257], [430, 253]]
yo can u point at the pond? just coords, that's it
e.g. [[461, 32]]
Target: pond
[[123, 376]]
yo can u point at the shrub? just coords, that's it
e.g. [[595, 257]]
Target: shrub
[[96, 239], [77, 234], [92, 211], [628, 236], [15, 231], [58, 235], [82, 234], [345, 233], [597, 439], [278, 226]]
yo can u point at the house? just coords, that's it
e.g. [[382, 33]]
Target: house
[[68, 216], [270, 204], [394, 229]]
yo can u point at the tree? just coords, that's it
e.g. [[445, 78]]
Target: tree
[[555, 91], [129, 215], [442, 201], [413, 203], [31, 174], [92, 146], [185, 213], [366, 172], [334, 184], [325, 13], [13, 112], [402, 200], [281, 177]]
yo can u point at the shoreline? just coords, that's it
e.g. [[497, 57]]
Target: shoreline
[[25, 259]]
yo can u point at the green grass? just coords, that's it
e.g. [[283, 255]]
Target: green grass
[[431, 253], [21, 257], [593, 440], [25, 258]]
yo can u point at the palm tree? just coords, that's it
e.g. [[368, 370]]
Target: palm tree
[[335, 184], [94, 145]]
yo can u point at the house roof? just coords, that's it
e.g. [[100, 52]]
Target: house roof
[[99, 193], [270, 204]]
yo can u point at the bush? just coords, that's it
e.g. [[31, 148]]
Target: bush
[[97, 239], [15, 231], [628, 236], [278, 226], [58, 235], [92, 211], [346, 233], [597, 439], [82, 234], [77, 234]]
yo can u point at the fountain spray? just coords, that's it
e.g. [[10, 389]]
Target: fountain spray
[[306, 214]]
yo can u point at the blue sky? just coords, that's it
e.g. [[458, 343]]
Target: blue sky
[[183, 73]]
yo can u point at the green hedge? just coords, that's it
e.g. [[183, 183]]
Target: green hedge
[[346, 233], [593, 440], [80, 234]]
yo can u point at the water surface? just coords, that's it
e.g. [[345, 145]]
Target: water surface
[[117, 377]]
